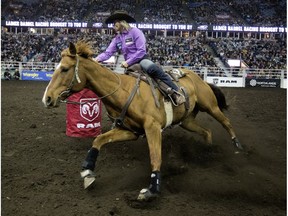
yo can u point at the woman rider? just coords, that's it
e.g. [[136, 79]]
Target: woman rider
[[132, 43]]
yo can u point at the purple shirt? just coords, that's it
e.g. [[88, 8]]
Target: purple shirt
[[132, 44]]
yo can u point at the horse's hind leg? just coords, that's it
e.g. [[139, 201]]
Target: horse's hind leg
[[222, 119], [192, 125]]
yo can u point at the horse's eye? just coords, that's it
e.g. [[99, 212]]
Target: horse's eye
[[64, 70]]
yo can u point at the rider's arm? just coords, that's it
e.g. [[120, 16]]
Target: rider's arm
[[108, 52]]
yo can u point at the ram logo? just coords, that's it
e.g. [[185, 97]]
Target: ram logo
[[89, 108], [215, 81]]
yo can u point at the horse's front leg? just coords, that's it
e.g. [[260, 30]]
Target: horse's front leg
[[88, 165], [154, 139]]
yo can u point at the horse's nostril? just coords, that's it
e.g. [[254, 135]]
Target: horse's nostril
[[48, 101]]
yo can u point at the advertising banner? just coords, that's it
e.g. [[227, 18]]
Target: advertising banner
[[272, 83], [226, 81], [36, 75], [83, 114], [150, 26]]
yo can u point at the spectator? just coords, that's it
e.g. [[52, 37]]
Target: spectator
[[7, 75], [16, 75]]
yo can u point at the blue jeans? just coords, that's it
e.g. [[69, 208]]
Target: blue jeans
[[156, 72]]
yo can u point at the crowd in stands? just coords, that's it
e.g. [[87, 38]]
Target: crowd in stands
[[262, 13], [163, 12], [180, 51], [176, 51], [262, 54], [25, 47], [233, 12], [215, 12], [99, 10], [220, 12], [60, 11]]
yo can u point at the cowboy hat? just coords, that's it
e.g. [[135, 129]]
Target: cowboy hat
[[120, 15]]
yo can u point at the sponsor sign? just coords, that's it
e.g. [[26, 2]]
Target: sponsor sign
[[36, 75], [83, 116], [161, 26], [226, 81], [273, 83], [89, 108]]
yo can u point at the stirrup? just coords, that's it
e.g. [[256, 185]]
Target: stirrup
[[177, 99]]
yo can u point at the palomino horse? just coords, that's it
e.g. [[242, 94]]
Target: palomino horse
[[77, 70]]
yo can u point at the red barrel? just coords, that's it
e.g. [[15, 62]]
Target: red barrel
[[83, 114]]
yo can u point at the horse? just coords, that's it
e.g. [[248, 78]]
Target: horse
[[78, 70]]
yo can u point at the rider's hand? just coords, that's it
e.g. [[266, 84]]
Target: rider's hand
[[95, 59], [124, 64]]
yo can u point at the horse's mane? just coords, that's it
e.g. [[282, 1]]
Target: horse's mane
[[84, 49]]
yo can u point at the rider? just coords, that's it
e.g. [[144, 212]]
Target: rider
[[131, 41]]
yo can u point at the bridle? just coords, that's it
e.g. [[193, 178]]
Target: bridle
[[66, 93]]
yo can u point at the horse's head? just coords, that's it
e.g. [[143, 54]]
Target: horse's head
[[68, 76]]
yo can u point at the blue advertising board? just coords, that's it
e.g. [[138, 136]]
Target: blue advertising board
[[36, 75]]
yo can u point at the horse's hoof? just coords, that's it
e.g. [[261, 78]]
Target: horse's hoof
[[236, 143], [145, 195], [89, 178], [88, 181]]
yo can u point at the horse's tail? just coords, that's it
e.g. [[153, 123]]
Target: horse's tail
[[219, 96]]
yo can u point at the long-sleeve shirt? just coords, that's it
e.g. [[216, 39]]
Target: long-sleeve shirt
[[132, 44]]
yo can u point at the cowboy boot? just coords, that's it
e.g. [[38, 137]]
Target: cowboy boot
[[178, 98]]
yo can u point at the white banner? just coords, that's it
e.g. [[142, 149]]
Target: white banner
[[284, 84], [226, 81]]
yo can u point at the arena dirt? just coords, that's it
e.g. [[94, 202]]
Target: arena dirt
[[40, 164]]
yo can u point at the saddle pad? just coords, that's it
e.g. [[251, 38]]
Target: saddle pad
[[169, 112]]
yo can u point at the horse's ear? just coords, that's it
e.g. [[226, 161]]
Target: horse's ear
[[72, 49]]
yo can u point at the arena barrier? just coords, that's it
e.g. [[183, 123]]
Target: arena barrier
[[222, 77]]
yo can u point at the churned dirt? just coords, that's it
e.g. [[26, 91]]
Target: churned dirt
[[40, 164]]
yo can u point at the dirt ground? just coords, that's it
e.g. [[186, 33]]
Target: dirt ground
[[40, 164]]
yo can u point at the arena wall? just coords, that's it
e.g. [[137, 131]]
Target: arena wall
[[233, 77]]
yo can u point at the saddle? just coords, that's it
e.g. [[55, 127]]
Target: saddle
[[175, 74], [136, 71]]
